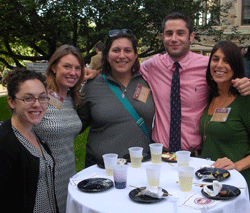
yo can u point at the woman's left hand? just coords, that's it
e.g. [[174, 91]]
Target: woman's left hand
[[224, 163]]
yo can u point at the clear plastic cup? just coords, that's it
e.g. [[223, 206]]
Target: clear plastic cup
[[186, 174], [156, 152], [120, 176], [110, 160], [153, 174], [135, 156], [183, 158]]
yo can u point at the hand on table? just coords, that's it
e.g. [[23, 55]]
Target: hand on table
[[224, 163], [242, 85]]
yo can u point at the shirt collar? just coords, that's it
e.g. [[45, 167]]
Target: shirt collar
[[184, 62]]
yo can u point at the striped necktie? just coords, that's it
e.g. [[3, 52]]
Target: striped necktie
[[175, 104]]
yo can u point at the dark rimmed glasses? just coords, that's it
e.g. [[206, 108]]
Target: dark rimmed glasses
[[32, 100], [113, 33]]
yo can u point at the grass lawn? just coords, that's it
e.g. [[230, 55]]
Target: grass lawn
[[79, 142], [80, 150], [5, 112]]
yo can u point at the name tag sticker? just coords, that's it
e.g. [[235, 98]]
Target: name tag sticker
[[55, 99], [220, 114], [141, 93]]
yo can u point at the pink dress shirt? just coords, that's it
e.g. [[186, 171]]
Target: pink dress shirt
[[158, 72]]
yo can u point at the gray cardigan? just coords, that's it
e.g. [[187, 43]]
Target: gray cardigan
[[113, 130]]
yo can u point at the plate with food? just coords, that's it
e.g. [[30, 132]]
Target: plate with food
[[211, 174], [136, 197], [169, 157], [95, 185], [227, 192], [145, 157]]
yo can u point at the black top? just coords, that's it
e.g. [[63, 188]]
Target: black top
[[19, 171]]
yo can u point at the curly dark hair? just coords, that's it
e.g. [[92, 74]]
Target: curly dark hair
[[17, 76]]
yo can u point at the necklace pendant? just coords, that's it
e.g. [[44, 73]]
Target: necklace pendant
[[204, 138]]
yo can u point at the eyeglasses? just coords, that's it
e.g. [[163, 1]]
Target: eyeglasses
[[32, 100], [113, 33]]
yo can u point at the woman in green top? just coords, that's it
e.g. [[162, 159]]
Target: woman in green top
[[225, 124]]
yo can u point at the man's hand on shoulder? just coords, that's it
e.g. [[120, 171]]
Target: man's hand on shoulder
[[90, 74], [242, 85]]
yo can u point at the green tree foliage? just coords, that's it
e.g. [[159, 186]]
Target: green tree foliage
[[33, 29]]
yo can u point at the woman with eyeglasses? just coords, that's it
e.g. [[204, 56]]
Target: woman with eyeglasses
[[61, 124], [113, 129], [26, 163]]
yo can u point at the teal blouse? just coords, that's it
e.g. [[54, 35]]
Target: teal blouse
[[229, 139]]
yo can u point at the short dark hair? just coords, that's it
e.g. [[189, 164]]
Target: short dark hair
[[17, 76], [235, 60], [106, 69], [100, 46], [178, 15]]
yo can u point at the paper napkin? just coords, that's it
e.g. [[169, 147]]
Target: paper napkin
[[153, 191], [198, 202], [216, 188]]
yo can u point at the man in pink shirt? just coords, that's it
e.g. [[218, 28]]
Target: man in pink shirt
[[177, 36]]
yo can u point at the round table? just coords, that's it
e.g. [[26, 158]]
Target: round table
[[117, 200]]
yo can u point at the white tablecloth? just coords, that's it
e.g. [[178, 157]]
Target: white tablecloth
[[117, 200]]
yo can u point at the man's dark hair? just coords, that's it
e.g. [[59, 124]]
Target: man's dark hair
[[100, 46], [178, 15]]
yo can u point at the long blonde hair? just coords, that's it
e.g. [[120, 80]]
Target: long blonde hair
[[51, 78]]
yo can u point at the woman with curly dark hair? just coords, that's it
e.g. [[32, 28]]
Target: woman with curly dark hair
[[26, 163]]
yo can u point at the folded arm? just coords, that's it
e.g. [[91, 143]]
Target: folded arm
[[242, 85]]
